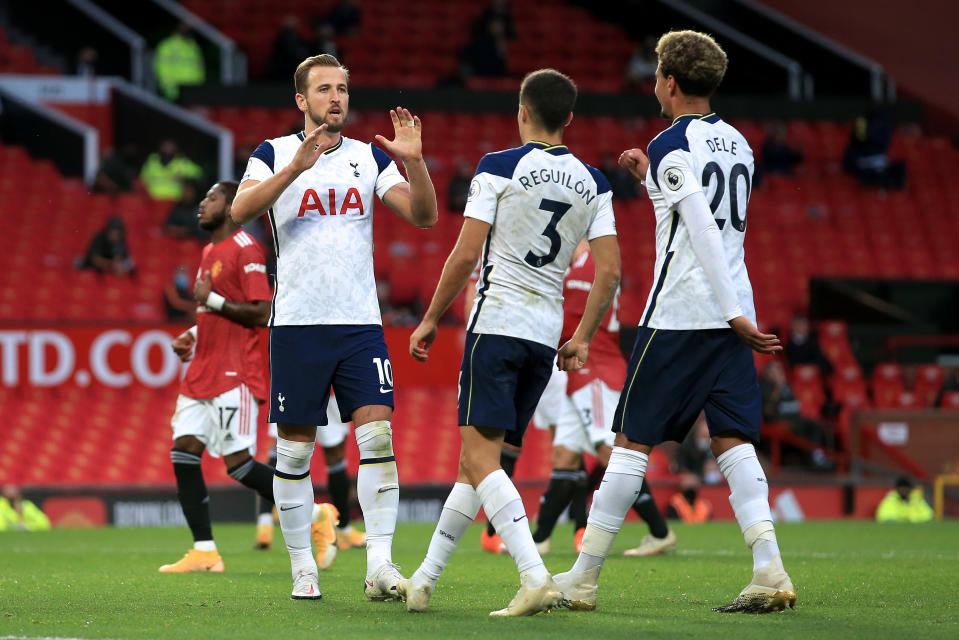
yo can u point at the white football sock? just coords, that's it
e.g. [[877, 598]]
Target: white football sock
[[264, 518], [458, 514], [621, 485], [749, 497], [293, 495], [204, 545], [505, 510], [378, 491]]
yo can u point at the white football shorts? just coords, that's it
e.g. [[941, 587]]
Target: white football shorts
[[333, 433], [225, 424], [548, 410], [586, 420]]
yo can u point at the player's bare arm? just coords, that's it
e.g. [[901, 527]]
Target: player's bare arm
[[605, 250], [456, 273], [415, 202], [249, 314], [704, 236], [183, 345], [636, 162], [254, 197]]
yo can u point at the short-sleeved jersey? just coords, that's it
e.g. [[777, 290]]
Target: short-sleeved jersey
[[228, 353], [697, 153], [541, 201], [323, 231], [605, 361]]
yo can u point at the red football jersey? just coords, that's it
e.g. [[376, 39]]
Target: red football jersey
[[228, 353], [605, 359]]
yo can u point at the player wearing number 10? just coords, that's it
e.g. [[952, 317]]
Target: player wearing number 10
[[527, 210], [318, 187], [686, 359]]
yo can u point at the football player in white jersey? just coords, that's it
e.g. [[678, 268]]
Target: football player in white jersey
[[527, 210], [318, 187], [692, 352]]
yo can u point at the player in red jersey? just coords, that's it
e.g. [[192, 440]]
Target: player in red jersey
[[585, 422], [217, 407]]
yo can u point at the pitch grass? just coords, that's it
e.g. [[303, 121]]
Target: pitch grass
[[854, 579]]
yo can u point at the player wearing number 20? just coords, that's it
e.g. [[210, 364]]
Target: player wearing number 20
[[692, 351], [527, 210]]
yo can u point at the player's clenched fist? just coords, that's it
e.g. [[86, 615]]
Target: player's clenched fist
[[636, 162], [572, 356], [183, 346]]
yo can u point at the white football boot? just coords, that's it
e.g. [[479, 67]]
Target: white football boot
[[529, 601], [417, 597], [306, 586], [650, 546], [579, 588], [770, 590], [382, 585]]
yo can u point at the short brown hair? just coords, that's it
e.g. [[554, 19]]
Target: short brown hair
[[550, 97], [323, 60], [229, 188], [694, 59]]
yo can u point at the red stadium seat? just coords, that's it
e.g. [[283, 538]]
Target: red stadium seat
[[929, 379], [887, 385]]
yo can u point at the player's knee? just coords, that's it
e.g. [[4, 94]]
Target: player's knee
[[375, 439], [188, 444], [292, 456]]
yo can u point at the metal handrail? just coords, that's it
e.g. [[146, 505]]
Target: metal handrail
[[793, 69], [126, 34], [874, 69]]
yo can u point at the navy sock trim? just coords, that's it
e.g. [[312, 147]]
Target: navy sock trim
[[377, 460]]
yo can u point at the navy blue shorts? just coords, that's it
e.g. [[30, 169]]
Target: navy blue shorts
[[673, 375], [305, 361], [501, 381]]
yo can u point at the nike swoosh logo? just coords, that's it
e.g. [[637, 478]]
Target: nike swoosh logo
[[385, 489], [518, 519], [382, 390], [290, 508]]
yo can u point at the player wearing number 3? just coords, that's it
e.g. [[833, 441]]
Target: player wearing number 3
[[693, 349], [527, 210], [318, 187]]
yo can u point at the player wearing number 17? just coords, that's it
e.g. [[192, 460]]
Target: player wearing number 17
[[527, 210], [318, 186], [692, 351]]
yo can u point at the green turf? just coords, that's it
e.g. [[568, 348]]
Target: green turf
[[854, 579]]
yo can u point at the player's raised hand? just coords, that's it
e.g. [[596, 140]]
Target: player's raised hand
[[311, 149], [758, 341], [421, 340], [183, 346], [636, 162], [572, 355], [407, 142]]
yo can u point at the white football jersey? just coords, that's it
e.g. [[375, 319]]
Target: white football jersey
[[323, 231], [697, 153], [540, 200]]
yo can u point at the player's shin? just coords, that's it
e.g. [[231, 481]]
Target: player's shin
[[503, 505], [749, 497], [645, 508], [338, 484], [378, 491], [507, 460], [293, 493], [562, 483], [194, 500], [459, 511], [616, 494]]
